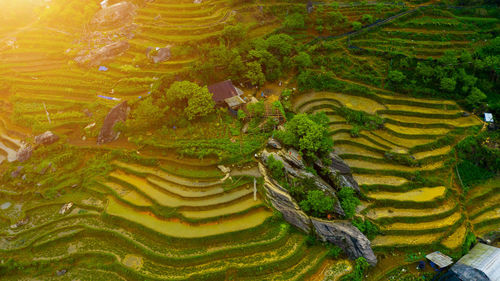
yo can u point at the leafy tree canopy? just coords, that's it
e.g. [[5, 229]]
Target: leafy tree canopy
[[307, 133], [196, 101]]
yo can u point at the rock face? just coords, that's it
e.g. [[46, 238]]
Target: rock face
[[284, 203], [346, 236], [337, 173], [46, 138], [115, 115], [117, 14], [299, 173], [97, 56], [340, 233], [273, 143], [159, 54], [24, 153]]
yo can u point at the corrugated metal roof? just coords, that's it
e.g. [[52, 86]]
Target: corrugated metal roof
[[440, 259], [222, 90], [488, 117], [484, 258]]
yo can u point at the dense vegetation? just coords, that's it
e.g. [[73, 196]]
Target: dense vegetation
[[388, 97]]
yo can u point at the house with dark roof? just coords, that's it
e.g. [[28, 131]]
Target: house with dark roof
[[226, 94]]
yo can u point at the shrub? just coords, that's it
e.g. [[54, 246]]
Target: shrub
[[317, 204], [396, 76], [470, 239], [356, 25], [359, 271], [448, 84], [366, 227], [334, 251], [294, 21], [367, 18], [307, 133], [276, 168], [348, 201]]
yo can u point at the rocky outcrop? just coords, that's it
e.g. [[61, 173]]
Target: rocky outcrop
[[273, 143], [338, 173], [293, 157], [284, 203], [340, 233], [117, 114], [46, 138], [115, 15], [97, 56], [159, 54], [346, 236], [24, 153], [299, 173]]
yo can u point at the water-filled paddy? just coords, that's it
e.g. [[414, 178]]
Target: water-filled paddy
[[424, 194], [176, 228]]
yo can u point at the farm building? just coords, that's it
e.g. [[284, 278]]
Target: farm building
[[482, 263], [488, 118], [439, 260], [226, 94]]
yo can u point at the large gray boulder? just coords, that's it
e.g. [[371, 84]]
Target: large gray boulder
[[338, 173], [46, 138], [299, 173], [346, 236], [159, 54], [24, 153], [284, 203], [97, 56], [293, 157], [118, 14], [340, 233], [117, 114]]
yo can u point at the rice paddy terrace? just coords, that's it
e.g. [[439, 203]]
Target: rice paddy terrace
[[410, 213], [172, 221]]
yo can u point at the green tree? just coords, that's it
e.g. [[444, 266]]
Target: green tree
[[318, 204], [367, 18], [276, 168], [254, 73], [294, 21], [356, 25], [448, 84], [348, 201], [335, 17], [475, 98], [145, 115], [196, 101], [303, 60], [280, 44], [396, 76], [241, 114], [234, 33], [306, 135]]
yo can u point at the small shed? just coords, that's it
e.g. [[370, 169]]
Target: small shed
[[439, 259], [226, 94], [488, 118], [481, 263]]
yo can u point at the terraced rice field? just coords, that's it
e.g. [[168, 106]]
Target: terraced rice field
[[483, 206], [42, 69], [424, 36], [164, 226], [409, 213]]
